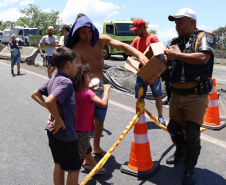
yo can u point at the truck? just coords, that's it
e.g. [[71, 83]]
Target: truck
[[22, 33], [118, 30]]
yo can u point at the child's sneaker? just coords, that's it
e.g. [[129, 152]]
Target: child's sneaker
[[161, 120]]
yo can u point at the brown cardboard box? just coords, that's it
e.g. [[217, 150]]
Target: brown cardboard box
[[155, 66], [154, 49]]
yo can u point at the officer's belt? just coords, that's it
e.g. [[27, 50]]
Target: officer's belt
[[184, 91]]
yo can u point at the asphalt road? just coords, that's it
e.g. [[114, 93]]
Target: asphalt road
[[25, 157]]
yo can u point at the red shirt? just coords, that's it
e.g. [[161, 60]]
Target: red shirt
[[141, 43]]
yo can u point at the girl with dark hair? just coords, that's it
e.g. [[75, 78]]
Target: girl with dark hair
[[84, 121]]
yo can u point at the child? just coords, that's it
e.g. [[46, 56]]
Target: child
[[61, 105], [85, 100]]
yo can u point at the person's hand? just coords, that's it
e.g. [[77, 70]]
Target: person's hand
[[107, 87], [47, 42], [49, 119], [171, 53], [17, 44], [56, 125], [143, 59], [11, 50], [42, 54]]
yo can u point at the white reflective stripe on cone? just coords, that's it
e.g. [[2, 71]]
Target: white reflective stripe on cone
[[142, 119], [213, 103], [214, 89], [140, 138]]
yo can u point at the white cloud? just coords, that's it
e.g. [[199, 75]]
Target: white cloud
[[7, 2], [166, 34], [99, 26], [206, 28], [96, 10], [47, 10], [12, 14], [150, 26], [27, 2]]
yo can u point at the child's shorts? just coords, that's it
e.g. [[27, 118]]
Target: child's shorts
[[83, 144], [65, 153]]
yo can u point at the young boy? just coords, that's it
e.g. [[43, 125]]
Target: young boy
[[61, 104]]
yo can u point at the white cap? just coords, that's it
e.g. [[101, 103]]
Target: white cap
[[184, 12]]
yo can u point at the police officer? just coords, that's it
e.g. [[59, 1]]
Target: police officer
[[190, 67]]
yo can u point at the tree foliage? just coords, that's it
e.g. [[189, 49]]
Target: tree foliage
[[34, 17], [151, 30], [4, 25], [220, 34]]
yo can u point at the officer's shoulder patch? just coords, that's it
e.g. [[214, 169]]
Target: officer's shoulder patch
[[210, 38]]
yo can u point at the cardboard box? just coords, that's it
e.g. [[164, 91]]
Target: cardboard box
[[154, 67], [154, 49]]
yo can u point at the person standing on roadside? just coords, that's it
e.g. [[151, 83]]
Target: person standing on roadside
[[190, 69], [14, 47], [49, 41], [64, 30], [141, 43]]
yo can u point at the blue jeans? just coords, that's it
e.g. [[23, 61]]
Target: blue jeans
[[100, 113], [156, 88], [15, 60]]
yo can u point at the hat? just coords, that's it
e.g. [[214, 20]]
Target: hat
[[184, 12], [66, 27], [137, 23]]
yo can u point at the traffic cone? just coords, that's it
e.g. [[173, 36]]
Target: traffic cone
[[212, 116], [140, 162]]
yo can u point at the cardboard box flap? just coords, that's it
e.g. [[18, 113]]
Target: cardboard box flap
[[154, 49], [132, 65]]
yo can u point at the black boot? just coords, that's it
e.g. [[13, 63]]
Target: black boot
[[191, 151], [176, 157], [177, 135]]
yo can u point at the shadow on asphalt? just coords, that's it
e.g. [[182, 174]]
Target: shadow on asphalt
[[110, 166], [173, 176], [152, 125]]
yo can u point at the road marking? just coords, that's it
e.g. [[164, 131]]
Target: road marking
[[36, 74], [203, 136]]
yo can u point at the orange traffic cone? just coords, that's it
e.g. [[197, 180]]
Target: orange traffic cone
[[140, 163], [212, 116]]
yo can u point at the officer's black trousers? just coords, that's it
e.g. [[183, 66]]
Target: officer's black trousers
[[189, 138]]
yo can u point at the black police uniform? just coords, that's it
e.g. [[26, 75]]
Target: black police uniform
[[187, 137]]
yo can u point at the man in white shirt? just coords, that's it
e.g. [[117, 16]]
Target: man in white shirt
[[64, 30]]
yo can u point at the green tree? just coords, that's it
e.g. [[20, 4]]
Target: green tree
[[4, 25], [220, 34], [34, 17], [151, 30]]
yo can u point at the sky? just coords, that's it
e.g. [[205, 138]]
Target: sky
[[210, 14]]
